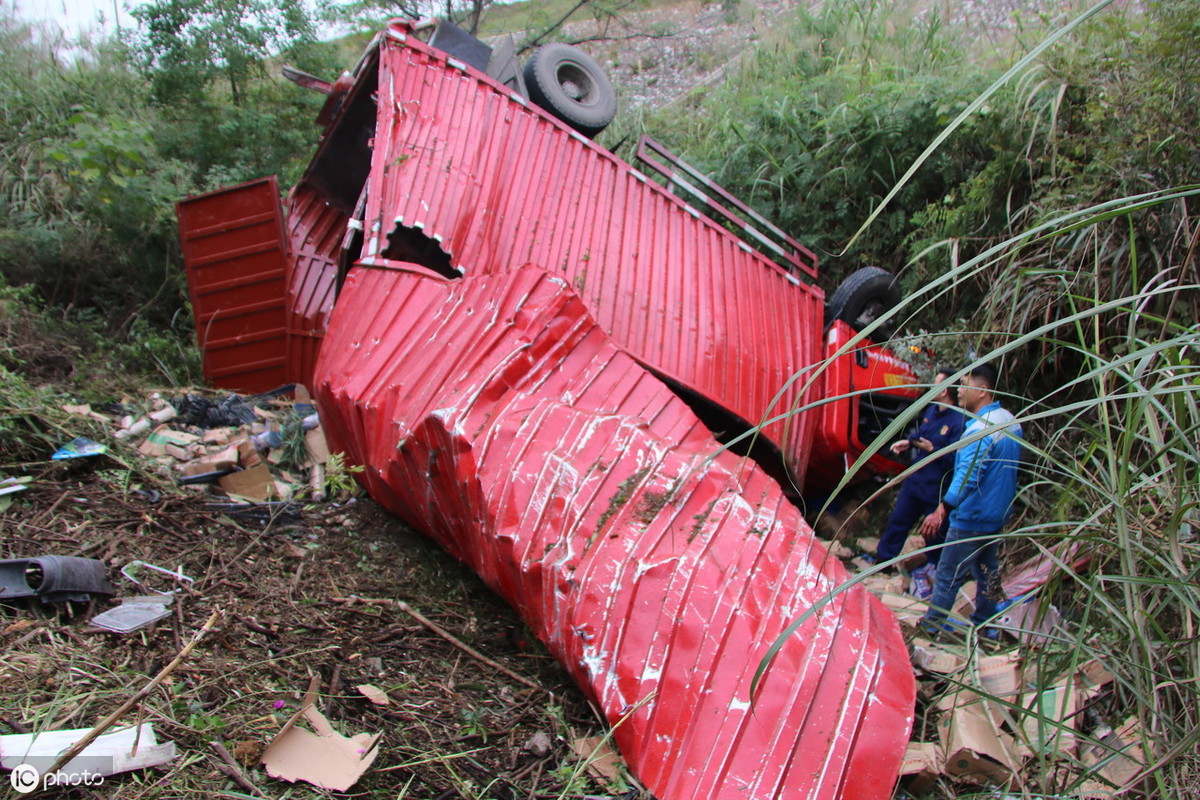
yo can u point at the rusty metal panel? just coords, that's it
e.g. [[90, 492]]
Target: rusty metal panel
[[498, 183], [497, 415], [236, 259]]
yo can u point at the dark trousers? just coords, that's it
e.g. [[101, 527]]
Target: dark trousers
[[913, 504]]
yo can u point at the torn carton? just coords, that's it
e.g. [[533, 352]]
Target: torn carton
[[373, 693], [1116, 757], [603, 763], [255, 483], [976, 751], [1048, 726], [322, 757], [929, 657], [908, 609], [923, 763]]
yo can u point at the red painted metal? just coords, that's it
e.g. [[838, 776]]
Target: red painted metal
[[495, 414], [237, 268], [499, 183], [523, 316], [315, 230]]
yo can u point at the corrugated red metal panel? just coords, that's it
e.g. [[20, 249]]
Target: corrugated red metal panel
[[501, 184], [237, 266], [494, 413], [316, 229]]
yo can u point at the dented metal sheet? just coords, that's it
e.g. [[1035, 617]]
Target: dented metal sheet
[[496, 183], [498, 415]]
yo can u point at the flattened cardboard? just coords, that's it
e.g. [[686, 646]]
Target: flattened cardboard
[[603, 761], [162, 438], [213, 462], [1091, 677], [247, 453], [255, 483], [881, 584], [322, 756], [1000, 675], [373, 693]]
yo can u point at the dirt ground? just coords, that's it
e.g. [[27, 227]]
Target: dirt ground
[[297, 596]]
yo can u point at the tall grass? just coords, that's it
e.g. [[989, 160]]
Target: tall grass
[[1084, 289]]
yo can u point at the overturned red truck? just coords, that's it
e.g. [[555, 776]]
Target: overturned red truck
[[535, 349]]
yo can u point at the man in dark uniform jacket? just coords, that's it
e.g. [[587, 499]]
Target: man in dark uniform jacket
[[941, 425]]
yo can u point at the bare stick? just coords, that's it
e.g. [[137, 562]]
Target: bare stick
[[231, 770], [142, 694], [433, 626]]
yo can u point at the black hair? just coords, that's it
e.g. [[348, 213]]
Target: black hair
[[985, 373], [942, 369]]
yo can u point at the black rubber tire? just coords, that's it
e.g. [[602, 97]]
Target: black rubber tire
[[572, 86], [863, 297]]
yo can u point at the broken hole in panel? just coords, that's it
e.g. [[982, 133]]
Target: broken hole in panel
[[414, 246]]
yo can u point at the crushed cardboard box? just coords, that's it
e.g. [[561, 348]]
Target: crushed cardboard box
[[976, 750], [1117, 757], [1051, 713], [933, 658], [908, 609], [923, 763]]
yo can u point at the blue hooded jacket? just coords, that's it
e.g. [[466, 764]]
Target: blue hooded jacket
[[984, 486]]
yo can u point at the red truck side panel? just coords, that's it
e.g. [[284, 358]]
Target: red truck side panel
[[238, 268], [498, 184], [495, 414]]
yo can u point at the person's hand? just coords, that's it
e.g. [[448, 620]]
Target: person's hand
[[923, 444], [900, 446], [933, 522]]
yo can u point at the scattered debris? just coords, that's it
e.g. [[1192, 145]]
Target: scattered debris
[[602, 762], [322, 757], [124, 750], [53, 579], [79, 447], [134, 613], [373, 693]]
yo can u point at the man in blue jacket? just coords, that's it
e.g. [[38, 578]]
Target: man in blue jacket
[[941, 426], [978, 502]]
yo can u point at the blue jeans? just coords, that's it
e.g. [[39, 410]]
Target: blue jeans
[[967, 554], [913, 504]]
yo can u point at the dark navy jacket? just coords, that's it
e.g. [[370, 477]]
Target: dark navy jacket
[[941, 425]]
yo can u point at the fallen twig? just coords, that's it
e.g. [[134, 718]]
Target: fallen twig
[[141, 695], [433, 626], [232, 771]]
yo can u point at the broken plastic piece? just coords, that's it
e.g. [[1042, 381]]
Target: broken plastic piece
[[53, 579], [111, 753], [134, 614], [79, 447], [130, 569]]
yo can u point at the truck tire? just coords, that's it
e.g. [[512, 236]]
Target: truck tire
[[572, 86], [863, 297]]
